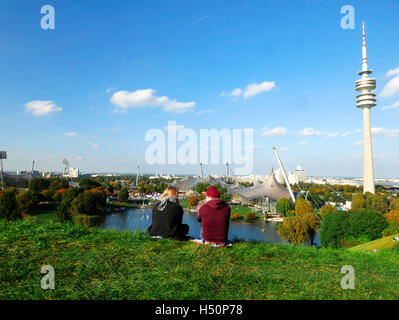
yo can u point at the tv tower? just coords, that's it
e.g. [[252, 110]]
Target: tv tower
[[365, 101]]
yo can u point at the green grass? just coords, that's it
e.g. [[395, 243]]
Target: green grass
[[383, 243], [92, 263]]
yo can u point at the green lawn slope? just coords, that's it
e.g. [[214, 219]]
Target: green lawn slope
[[92, 263], [383, 243]]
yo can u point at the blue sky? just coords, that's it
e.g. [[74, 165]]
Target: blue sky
[[192, 55]]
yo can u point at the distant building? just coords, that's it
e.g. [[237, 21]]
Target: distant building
[[72, 173], [297, 176]]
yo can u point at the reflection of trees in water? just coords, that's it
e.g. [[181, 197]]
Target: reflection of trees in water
[[90, 221]]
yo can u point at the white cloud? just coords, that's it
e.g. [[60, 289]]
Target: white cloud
[[251, 90], [78, 158], [147, 98], [256, 88], [310, 132], [179, 107], [332, 135], [110, 89], [206, 111], [94, 144], [345, 134], [300, 144], [40, 108], [393, 72], [387, 133], [391, 88], [358, 143], [70, 134], [393, 106], [278, 131], [284, 149]]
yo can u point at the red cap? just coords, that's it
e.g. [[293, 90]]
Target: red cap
[[212, 192]]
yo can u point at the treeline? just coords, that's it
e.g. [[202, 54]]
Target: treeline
[[371, 217]]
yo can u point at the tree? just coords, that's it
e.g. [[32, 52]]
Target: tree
[[36, 185], [25, 202], [293, 229], [312, 223], [250, 216], [378, 203], [302, 207], [392, 216], [201, 187], [395, 204], [334, 229], [326, 209], [283, 205], [123, 194], [63, 213], [87, 183], [9, 206], [366, 222], [358, 201]]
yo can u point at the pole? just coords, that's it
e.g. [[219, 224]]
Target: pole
[[137, 176], [227, 171], [202, 171], [284, 174]]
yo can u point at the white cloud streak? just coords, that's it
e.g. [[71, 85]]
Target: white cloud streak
[[41, 108]]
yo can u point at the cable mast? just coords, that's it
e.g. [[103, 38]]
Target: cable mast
[[284, 174]]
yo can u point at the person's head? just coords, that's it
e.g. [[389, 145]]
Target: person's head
[[212, 193], [170, 192]]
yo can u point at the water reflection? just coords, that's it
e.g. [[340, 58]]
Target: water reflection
[[140, 219]]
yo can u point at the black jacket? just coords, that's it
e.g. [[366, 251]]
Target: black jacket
[[166, 223]]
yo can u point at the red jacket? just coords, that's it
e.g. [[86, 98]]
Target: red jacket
[[215, 218]]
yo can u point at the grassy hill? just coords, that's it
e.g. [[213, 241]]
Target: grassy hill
[[91, 263], [383, 243]]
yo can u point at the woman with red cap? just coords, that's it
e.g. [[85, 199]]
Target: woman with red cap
[[215, 218]]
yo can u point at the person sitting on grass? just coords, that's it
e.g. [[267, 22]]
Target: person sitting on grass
[[167, 217], [215, 218]]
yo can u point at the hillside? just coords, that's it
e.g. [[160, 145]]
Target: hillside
[[383, 243], [92, 263]]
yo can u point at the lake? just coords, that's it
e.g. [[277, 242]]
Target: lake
[[140, 219]]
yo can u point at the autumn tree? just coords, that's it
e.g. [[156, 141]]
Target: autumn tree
[[358, 201], [293, 229], [283, 205], [302, 207], [395, 204], [312, 223], [25, 202], [327, 208], [392, 216], [9, 206]]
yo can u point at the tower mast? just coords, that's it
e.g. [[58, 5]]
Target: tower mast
[[365, 101]]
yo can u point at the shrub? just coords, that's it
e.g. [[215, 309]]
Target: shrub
[[63, 213], [326, 209], [366, 222], [250, 216], [293, 229], [392, 216], [25, 202], [283, 205], [302, 207], [377, 203], [391, 230], [9, 206], [236, 216], [334, 229]]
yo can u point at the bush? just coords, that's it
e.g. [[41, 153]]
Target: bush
[[293, 229], [9, 206], [377, 203], [250, 216], [283, 205], [63, 213], [236, 216], [391, 230], [366, 222], [25, 202], [392, 216], [334, 229]]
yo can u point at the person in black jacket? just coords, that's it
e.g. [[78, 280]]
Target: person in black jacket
[[167, 216]]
